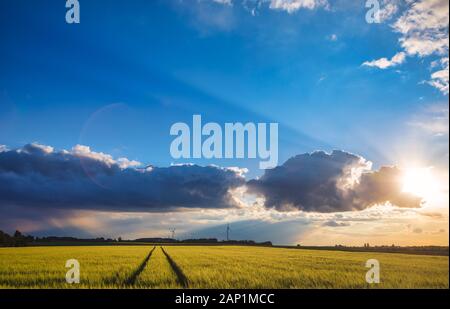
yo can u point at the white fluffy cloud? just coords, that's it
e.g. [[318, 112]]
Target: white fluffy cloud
[[388, 9], [439, 79], [423, 29], [385, 63], [291, 6], [227, 2], [86, 152]]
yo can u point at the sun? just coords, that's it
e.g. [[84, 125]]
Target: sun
[[420, 182]]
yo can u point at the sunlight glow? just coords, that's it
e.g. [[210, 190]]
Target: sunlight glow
[[420, 182]]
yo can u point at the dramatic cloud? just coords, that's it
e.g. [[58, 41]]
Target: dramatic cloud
[[37, 176], [321, 182]]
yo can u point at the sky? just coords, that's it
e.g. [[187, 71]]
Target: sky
[[362, 108]]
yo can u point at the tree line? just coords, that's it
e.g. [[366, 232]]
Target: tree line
[[20, 240], [16, 240]]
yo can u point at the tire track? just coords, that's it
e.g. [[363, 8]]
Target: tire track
[[132, 278], [181, 277]]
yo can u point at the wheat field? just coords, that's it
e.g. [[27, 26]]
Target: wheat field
[[221, 267]]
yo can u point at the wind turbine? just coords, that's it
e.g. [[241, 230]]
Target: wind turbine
[[228, 232]]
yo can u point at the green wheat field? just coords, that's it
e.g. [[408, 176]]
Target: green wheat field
[[219, 267]]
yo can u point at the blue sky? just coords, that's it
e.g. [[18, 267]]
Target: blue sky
[[164, 63], [117, 81]]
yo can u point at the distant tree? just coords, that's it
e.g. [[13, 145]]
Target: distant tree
[[19, 239], [119, 239], [5, 240]]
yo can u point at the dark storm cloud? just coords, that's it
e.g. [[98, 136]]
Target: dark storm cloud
[[321, 182], [39, 177]]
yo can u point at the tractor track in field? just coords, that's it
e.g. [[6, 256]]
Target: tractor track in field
[[131, 280], [181, 277]]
